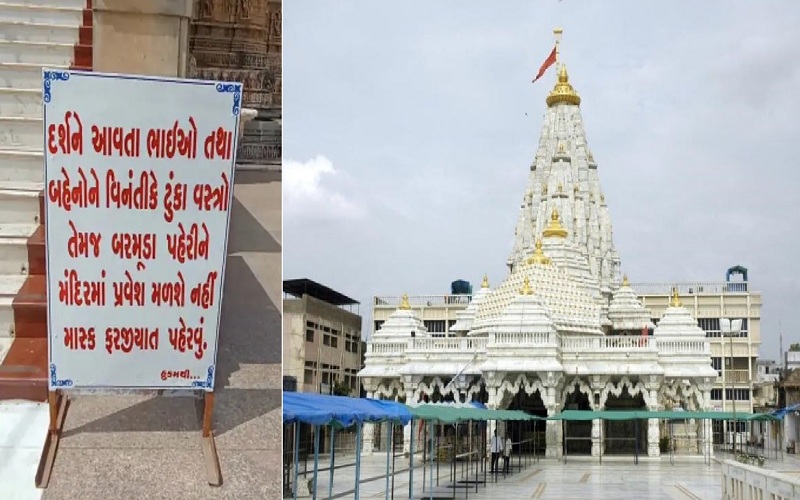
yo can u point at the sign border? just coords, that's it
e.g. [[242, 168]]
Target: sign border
[[51, 76]]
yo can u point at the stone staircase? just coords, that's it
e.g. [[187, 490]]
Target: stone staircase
[[33, 34]]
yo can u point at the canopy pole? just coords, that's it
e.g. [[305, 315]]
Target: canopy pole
[[388, 455], [430, 486], [356, 488], [333, 463], [316, 461], [411, 463], [296, 457]]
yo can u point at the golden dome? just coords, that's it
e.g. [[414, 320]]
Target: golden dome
[[538, 256], [563, 91], [526, 287], [676, 300], [485, 283], [405, 304], [555, 228]]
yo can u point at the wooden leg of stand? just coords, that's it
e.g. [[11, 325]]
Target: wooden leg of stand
[[58, 412], [211, 459]]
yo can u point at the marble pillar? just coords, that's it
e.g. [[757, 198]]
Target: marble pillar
[[241, 41], [554, 435], [597, 443], [653, 438], [368, 433]]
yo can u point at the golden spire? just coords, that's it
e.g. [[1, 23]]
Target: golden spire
[[555, 228], [561, 147], [560, 188], [563, 91], [575, 189], [625, 281], [544, 189], [676, 300], [405, 304], [485, 283], [526, 287], [538, 256]]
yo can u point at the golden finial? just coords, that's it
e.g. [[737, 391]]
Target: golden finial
[[485, 283], [590, 156], [538, 256], [560, 147], [602, 198], [544, 189], [555, 228], [563, 91], [405, 304], [625, 281], [591, 195], [676, 300], [575, 189], [560, 188], [526, 287]]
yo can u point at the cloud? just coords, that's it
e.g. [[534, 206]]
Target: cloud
[[312, 191]]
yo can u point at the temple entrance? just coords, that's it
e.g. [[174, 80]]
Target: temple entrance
[[577, 435], [622, 437], [530, 434]]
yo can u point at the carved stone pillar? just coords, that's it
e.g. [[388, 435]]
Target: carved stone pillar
[[492, 390], [241, 40], [367, 434], [598, 384], [554, 435], [653, 429], [411, 388]]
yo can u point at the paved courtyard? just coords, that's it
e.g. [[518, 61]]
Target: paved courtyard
[[548, 479]]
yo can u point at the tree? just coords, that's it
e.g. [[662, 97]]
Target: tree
[[341, 389], [794, 347]]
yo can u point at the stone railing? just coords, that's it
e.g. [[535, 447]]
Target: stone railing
[[742, 481], [674, 346], [576, 344], [523, 339], [706, 288], [394, 302], [606, 344], [447, 345]]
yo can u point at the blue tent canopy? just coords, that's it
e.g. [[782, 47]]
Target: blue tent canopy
[[340, 411], [783, 411]]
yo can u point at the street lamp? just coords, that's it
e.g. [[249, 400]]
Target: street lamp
[[730, 328]]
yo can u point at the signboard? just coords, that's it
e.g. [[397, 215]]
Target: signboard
[[138, 189]]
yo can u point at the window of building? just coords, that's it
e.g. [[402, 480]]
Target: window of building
[[334, 342], [308, 376], [309, 335], [378, 325], [716, 363], [435, 325], [716, 394]]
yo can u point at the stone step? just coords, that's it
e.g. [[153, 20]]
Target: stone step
[[9, 287], [30, 308], [38, 32], [20, 202], [23, 372], [20, 133], [22, 75], [21, 166], [68, 4], [14, 249], [46, 14], [21, 102], [39, 53]]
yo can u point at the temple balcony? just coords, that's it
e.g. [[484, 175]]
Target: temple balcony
[[694, 288], [417, 301]]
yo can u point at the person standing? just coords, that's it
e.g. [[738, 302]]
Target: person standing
[[507, 455], [497, 447]]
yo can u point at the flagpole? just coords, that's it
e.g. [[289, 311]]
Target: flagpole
[[557, 33]]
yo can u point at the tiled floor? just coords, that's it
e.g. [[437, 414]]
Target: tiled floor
[[549, 479], [23, 428]]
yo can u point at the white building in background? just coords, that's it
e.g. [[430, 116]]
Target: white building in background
[[564, 329]]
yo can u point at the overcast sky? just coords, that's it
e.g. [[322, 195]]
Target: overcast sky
[[409, 128]]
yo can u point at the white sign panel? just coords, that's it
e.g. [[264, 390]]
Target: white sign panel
[[138, 189]]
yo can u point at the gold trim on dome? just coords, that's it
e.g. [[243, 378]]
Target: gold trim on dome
[[405, 305], [555, 228], [485, 283], [676, 300], [538, 256], [563, 91], [526, 287]]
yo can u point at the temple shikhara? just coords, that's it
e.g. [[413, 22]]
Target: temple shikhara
[[564, 329]]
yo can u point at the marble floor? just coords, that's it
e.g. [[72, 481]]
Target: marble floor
[[23, 428], [547, 479]]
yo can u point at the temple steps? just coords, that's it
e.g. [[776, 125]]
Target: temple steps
[[20, 133], [34, 34], [20, 103], [26, 52], [21, 166]]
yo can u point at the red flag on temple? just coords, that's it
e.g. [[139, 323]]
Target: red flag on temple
[[551, 60]]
